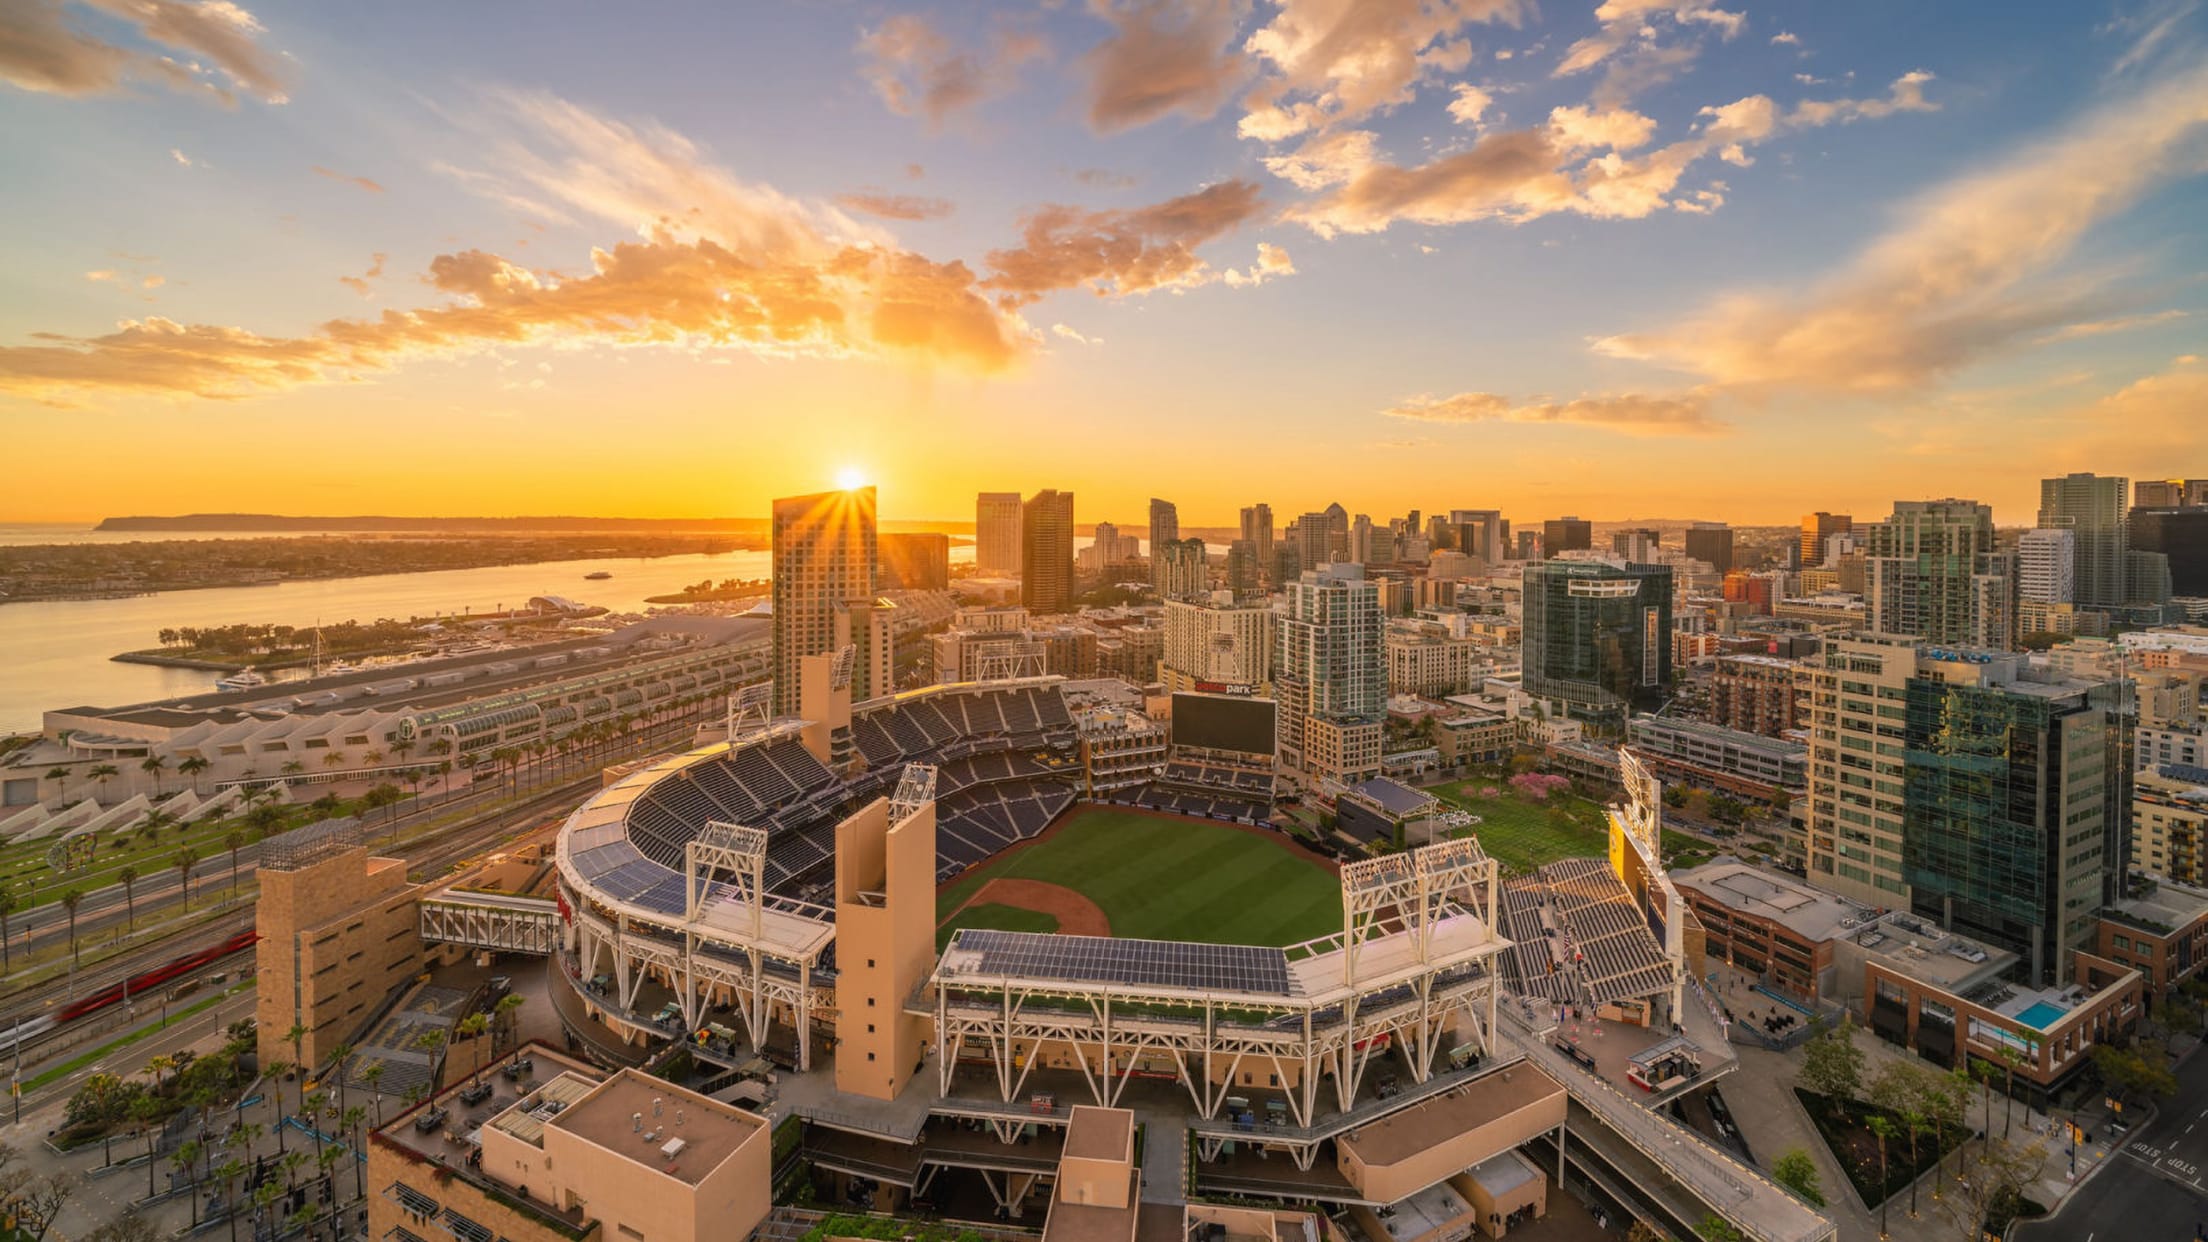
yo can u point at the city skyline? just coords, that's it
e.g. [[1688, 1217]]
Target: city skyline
[[1635, 261]]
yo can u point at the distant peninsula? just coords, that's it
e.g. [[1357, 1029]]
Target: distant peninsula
[[265, 523]]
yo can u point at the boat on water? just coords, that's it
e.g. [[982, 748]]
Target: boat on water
[[599, 576], [243, 679]]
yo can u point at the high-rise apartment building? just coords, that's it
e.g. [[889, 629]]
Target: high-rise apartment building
[[1330, 677], [2180, 537], [824, 553], [1046, 552], [1932, 572], [2169, 493], [1712, 544], [997, 534], [2046, 561], [1257, 531], [1181, 568], [1637, 544], [1855, 702], [2092, 508], [1482, 533], [1566, 534], [2011, 829], [1244, 575], [1597, 638], [1754, 694], [1218, 646], [1816, 529], [1362, 540], [1311, 534], [1165, 528], [1337, 533]]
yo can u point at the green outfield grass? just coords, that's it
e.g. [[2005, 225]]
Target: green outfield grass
[[996, 917], [1169, 879], [1524, 835]]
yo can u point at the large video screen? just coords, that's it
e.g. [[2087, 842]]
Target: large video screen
[[1223, 722]]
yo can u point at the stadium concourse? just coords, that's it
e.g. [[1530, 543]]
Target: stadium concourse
[[774, 895]]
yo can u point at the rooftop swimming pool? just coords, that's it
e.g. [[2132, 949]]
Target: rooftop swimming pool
[[2041, 1015]]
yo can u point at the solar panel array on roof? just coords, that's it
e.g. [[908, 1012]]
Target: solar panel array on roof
[[1156, 963]]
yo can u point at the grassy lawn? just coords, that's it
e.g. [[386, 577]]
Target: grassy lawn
[[1171, 879], [1524, 835], [995, 917]]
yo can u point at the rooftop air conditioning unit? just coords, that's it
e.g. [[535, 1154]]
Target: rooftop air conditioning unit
[[673, 1147]]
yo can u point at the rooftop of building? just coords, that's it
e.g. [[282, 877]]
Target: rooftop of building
[[1407, 1132], [1089, 1222], [1100, 1133], [1421, 1214], [643, 1118], [1918, 949], [1810, 913], [1777, 747], [1394, 797], [456, 1131], [2168, 907], [1762, 661]]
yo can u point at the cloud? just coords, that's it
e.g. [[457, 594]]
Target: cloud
[[2102, 327], [1633, 414], [1583, 129], [1103, 178], [1116, 253], [918, 71], [1525, 174], [1326, 159], [1336, 62], [362, 182], [1963, 272], [1786, 38], [1470, 104], [180, 157], [153, 282], [363, 283], [1629, 45], [697, 296], [209, 48], [1162, 57], [2153, 28], [103, 274], [896, 206], [1272, 262], [1063, 332]]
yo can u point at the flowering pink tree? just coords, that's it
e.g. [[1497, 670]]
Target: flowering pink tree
[[1536, 787]]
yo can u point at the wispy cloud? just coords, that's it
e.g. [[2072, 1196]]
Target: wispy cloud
[[1163, 57], [364, 284], [1964, 272], [360, 182], [1332, 64], [1633, 414], [917, 70], [895, 206]]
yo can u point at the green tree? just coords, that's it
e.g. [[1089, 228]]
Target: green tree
[[69, 902], [128, 877], [508, 1006], [1832, 1065], [185, 859], [190, 767], [60, 777], [235, 841], [1715, 1228], [153, 766], [471, 1028], [7, 951], [101, 773], [1795, 1170]]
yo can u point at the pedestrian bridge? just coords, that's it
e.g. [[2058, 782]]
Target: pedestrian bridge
[[501, 922]]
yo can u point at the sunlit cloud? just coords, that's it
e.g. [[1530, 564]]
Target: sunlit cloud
[[1966, 271], [1633, 414], [895, 206], [208, 48], [917, 70], [364, 284], [2103, 327], [1065, 332], [1163, 57], [1337, 62], [359, 182], [1116, 253]]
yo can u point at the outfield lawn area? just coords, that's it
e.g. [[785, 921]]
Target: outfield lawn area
[[995, 917], [1172, 879], [1522, 835]]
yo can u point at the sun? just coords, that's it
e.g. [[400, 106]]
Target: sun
[[850, 478]]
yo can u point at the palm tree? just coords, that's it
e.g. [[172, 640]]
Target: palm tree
[[1913, 1121], [264, 1198], [334, 760], [100, 773], [1883, 1127], [507, 1004], [351, 1121], [291, 1164], [338, 1055], [265, 819], [60, 776], [297, 1038], [470, 1028], [153, 766], [191, 766], [2012, 1060], [310, 1111], [69, 902], [129, 878], [373, 1076], [160, 1064], [276, 1071], [230, 1171], [186, 859], [293, 767], [236, 841], [1986, 1072], [185, 1159]]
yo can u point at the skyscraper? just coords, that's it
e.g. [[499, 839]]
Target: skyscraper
[[1331, 675], [1181, 567], [1257, 531], [997, 534], [1932, 572], [2046, 566], [1314, 535], [1818, 527], [1165, 527], [2011, 831], [1046, 552], [1337, 533], [1597, 638], [2092, 508], [2181, 537], [1638, 544], [1566, 534], [1712, 544], [1243, 573], [2169, 493], [823, 567], [1482, 533]]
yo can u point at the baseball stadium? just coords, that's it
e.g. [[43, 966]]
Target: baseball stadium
[[948, 930]]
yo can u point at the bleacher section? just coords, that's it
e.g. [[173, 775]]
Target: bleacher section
[[1602, 945], [1201, 805], [1005, 767]]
